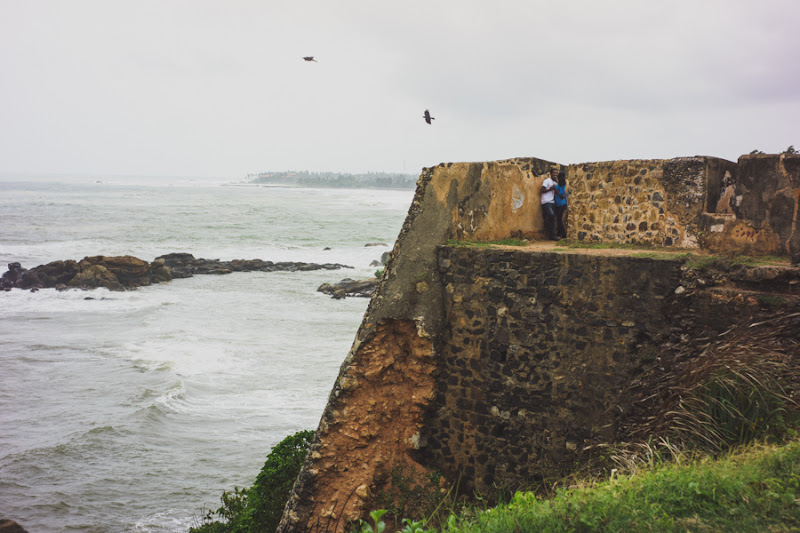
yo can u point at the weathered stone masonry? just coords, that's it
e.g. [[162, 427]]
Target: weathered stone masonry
[[536, 352], [498, 367], [539, 350], [689, 202]]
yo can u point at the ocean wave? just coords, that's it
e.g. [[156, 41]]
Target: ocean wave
[[174, 399], [144, 365], [167, 520]]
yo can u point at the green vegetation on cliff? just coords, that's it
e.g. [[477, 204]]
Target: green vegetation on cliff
[[753, 489], [259, 508]]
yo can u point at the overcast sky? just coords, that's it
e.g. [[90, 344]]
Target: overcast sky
[[219, 88]]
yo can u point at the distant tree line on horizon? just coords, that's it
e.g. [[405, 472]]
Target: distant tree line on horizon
[[381, 180]]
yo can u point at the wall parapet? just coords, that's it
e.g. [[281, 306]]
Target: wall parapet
[[690, 202]]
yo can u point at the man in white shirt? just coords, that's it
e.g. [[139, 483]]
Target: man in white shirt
[[549, 204]]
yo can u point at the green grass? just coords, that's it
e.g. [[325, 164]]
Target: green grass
[[486, 244], [600, 245], [750, 260], [663, 255], [754, 489], [693, 261], [703, 262]]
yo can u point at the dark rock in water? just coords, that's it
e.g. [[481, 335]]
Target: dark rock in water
[[127, 272], [10, 278], [159, 271], [384, 257], [113, 273], [375, 263], [9, 526], [350, 287], [94, 276], [376, 244], [46, 276], [130, 271], [184, 265]]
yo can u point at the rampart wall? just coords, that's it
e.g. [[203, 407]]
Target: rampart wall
[[498, 367]]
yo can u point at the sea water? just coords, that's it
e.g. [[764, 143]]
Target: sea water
[[133, 411]]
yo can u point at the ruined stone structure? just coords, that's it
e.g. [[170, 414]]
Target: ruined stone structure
[[689, 202], [499, 366]]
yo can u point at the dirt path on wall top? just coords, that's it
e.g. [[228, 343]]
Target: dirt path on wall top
[[552, 246], [656, 253]]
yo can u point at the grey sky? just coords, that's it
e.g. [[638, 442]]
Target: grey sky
[[219, 88]]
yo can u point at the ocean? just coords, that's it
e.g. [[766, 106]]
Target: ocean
[[133, 411]]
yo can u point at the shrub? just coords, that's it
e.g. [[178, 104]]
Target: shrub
[[260, 507]]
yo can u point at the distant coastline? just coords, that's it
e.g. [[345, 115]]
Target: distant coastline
[[370, 180]]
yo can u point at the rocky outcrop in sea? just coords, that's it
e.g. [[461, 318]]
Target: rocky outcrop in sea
[[185, 265], [126, 272], [350, 287]]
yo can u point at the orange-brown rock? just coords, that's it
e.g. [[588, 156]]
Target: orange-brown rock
[[371, 428]]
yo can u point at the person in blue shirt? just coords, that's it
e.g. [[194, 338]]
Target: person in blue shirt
[[561, 205], [548, 205]]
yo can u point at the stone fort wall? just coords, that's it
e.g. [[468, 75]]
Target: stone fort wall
[[498, 367], [689, 202]]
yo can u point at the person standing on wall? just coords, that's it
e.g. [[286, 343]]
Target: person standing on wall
[[561, 197], [548, 204]]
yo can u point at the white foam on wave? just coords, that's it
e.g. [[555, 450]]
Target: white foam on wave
[[174, 398], [46, 302], [167, 520]]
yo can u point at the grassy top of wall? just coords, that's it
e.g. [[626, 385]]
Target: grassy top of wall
[[752, 489], [693, 259]]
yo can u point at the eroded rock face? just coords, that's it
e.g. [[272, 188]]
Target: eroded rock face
[[370, 428]]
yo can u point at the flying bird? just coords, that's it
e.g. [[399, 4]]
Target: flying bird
[[427, 116], [310, 58]]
